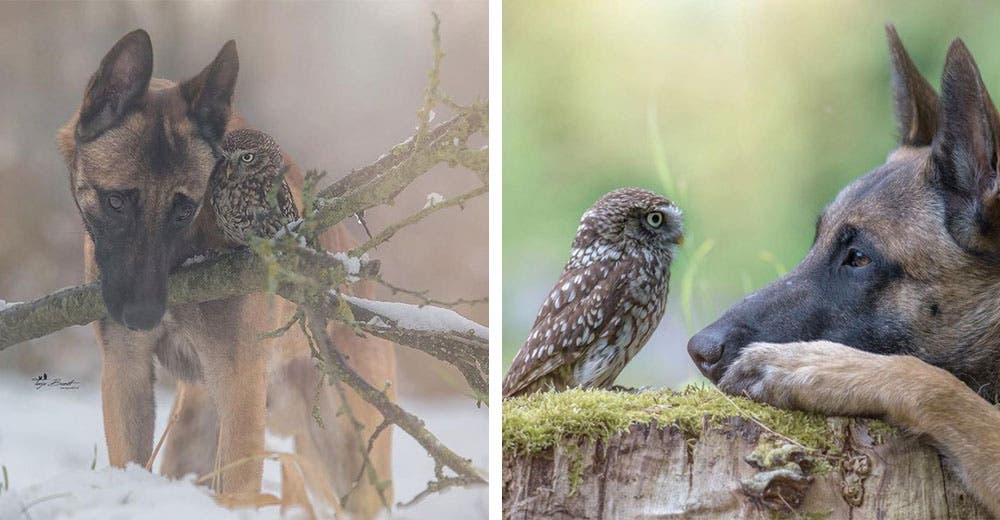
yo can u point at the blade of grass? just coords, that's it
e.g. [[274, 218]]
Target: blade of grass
[[687, 282], [673, 188]]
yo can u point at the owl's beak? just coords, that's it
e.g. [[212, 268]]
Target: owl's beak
[[675, 217], [229, 170]]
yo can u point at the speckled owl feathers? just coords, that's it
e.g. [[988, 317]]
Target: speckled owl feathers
[[251, 167], [608, 300]]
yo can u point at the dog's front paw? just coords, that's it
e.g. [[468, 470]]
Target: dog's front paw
[[819, 376], [788, 375], [761, 372]]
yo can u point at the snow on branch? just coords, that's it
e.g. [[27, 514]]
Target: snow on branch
[[442, 333], [417, 318]]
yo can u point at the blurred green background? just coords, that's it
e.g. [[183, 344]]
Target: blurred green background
[[751, 116]]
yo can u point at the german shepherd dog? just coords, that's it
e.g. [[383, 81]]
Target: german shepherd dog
[[140, 152], [895, 310]]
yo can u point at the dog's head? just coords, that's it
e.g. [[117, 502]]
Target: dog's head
[[906, 259], [140, 151]]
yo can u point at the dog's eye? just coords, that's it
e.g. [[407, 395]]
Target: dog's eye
[[856, 258], [183, 212], [247, 158], [654, 219], [116, 202]]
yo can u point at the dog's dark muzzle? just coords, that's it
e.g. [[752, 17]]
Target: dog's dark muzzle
[[142, 316], [716, 346], [140, 306], [781, 312], [134, 287]]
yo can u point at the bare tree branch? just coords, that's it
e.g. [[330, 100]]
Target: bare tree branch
[[382, 181], [334, 361], [427, 300], [391, 230], [366, 463], [466, 350]]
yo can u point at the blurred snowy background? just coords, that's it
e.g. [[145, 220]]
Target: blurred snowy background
[[337, 84]]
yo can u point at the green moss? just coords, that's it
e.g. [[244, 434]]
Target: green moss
[[772, 453], [575, 469], [880, 430], [821, 466], [536, 422]]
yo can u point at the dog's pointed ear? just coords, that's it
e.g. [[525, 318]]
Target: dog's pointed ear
[[966, 150], [210, 93], [119, 83], [916, 103]]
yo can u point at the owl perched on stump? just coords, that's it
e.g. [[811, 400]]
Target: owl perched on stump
[[609, 299], [251, 167]]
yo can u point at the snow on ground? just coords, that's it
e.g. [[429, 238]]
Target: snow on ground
[[428, 318], [49, 437], [118, 493]]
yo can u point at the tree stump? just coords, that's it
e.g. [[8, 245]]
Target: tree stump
[[697, 454]]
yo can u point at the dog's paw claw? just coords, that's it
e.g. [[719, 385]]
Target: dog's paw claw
[[756, 373]]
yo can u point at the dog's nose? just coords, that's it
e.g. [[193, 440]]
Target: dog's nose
[[706, 349], [142, 316]]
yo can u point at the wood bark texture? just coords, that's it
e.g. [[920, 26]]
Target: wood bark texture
[[659, 472]]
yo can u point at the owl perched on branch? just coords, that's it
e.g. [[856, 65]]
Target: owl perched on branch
[[250, 169], [609, 299]]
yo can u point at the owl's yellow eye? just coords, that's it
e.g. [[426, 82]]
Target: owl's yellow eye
[[654, 219], [247, 158]]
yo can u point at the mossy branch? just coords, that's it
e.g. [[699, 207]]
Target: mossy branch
[[228, 275], [236, 274]]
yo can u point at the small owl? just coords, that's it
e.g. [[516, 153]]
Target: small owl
[[250, 168], [610, 297]]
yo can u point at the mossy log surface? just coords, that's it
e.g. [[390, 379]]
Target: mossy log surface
[[697, 454]]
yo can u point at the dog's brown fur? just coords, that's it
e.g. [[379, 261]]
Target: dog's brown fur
[[919, 310], [156, 140]]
